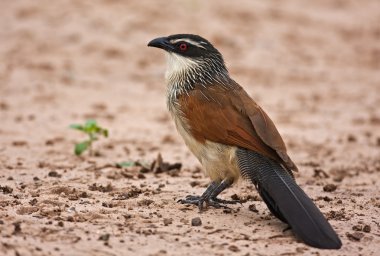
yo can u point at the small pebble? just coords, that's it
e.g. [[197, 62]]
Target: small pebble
[[367, 228], [54, 174], [104, 237], [329, 188], [194, 183], [233, 248], [351, 138], [196, 222], [168, 221]]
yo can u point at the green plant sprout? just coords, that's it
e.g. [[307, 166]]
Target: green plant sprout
[[93, 131], [126, 164]]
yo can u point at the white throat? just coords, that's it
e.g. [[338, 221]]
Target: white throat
[[177, 66]]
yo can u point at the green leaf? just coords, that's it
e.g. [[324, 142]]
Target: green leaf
[[90, 126], [76, 127], [105, 132], [91, 123], [144, 164], [125, 164], [81, 147]]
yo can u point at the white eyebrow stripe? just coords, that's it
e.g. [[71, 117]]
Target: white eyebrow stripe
[[187, 40]]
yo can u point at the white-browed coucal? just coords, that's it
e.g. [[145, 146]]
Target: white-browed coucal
[[233, 137]]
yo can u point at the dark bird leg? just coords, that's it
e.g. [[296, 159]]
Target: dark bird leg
[[219, 189], [210, 196], [286, 200]]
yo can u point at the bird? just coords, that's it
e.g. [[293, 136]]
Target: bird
[[233, 138]]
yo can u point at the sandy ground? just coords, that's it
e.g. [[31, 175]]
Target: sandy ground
[[314, 67]]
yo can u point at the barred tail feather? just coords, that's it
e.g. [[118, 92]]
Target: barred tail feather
[[287, 201]]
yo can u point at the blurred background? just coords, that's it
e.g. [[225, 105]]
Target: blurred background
[[313, 66]]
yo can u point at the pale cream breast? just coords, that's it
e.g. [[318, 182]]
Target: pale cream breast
[[218, 160]]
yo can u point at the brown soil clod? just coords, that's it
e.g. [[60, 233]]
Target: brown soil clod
[[6, 189], [320, 173], [356, 236], [101, 188], [337, 215], [252, 208], [159, 166], [17, 228], [145, 202], [168, 221], [357, 227], [132, 193]]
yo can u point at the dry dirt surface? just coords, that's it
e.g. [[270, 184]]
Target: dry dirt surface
[[313, 66]]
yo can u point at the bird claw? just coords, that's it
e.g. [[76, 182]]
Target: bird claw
[[196, 200], [199, 201]]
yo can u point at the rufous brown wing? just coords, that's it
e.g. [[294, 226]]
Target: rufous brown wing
[[229, 116]]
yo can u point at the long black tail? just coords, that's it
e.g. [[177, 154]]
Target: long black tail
[[287, 201]]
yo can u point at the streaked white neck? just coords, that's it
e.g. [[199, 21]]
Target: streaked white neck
[[177, 66]]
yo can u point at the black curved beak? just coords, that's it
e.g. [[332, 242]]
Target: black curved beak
[[161, 42]]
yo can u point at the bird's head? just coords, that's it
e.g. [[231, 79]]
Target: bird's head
[[191, 59]]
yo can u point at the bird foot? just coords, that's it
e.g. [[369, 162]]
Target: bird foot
[[200, 201]]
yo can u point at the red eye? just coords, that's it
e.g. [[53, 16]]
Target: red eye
[[183, 47]]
